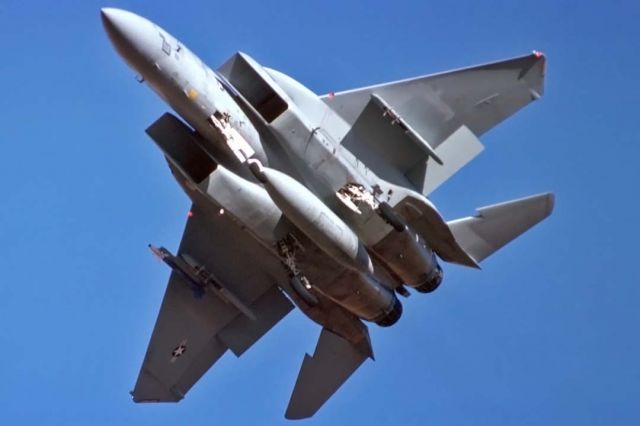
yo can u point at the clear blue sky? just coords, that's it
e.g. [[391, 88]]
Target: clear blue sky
[[547, 333]]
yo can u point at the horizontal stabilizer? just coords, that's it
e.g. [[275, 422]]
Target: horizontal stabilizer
[[495, 226], [322, 374]]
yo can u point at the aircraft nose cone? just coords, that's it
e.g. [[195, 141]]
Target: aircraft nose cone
[[133, 36], [114, 21], [104, 14]]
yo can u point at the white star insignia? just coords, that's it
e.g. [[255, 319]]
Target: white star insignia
[[179, 350]]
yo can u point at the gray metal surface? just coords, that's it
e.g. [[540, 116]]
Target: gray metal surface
[[332, 363], [422, 216], [193, 331], [496, 225], [438, 106], [319, 198]]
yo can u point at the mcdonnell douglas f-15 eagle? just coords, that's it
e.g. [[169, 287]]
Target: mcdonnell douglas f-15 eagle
[[313, 201]]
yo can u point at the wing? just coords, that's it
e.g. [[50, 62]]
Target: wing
[[437, 117], [194, 330]]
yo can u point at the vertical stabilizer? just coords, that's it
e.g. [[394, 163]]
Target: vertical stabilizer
[[321, 375]]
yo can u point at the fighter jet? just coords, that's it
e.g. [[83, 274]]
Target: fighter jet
[[314, 201]]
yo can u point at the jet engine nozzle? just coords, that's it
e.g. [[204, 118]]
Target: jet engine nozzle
[[432, 282], [408, 256], [392, 316]]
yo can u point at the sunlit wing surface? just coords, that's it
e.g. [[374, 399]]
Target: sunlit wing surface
[[447, 111]]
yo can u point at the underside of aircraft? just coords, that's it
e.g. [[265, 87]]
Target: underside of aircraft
[[308, 201]]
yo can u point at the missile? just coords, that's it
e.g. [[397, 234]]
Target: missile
[[200, 279], [314, 218]]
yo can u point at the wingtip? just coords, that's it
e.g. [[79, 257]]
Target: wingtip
[[551, 202], [538, 54], [292, 415], [472, 263], [534, 73], [297, 410]]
